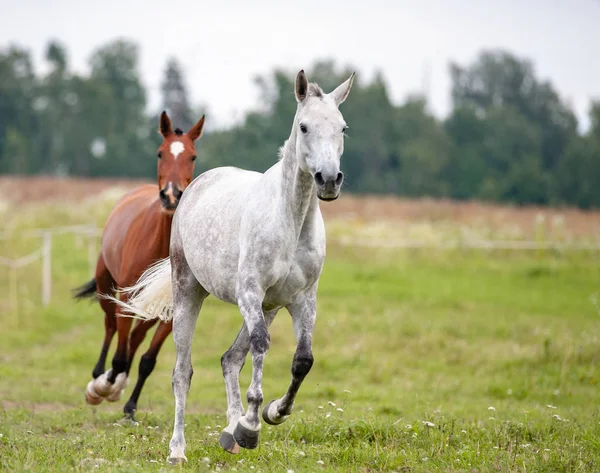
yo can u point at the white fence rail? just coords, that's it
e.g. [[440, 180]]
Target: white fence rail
[[91, 233], [44, 253]]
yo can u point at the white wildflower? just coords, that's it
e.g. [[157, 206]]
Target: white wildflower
[[332, 404], [301, 453], [491, 408], [320, 462], [339, 409], [426, 423], [328, 415], [206, 460], [320, 407], [550, 406], [347, 391]]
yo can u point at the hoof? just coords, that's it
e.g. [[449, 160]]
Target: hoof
[[129, 411], [114, 397], [245, 437], [177, 460], [102, 386], [91, 396], [228, 443], [269, 416]]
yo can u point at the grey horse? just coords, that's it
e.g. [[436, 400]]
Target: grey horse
[[258, 241]]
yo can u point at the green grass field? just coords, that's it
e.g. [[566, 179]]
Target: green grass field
[[425, 360]]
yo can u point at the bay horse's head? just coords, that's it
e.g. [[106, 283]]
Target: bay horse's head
[[176, 156]]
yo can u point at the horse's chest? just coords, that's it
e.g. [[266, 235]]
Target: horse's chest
[[302, 272]]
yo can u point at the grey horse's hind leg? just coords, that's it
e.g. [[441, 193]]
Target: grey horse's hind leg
[[188, 296], [232, 363], [303, 312]]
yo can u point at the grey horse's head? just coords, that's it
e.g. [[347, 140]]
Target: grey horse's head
[[320, 134]]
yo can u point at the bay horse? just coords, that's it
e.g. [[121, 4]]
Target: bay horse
[[258, 241], [136, 234]]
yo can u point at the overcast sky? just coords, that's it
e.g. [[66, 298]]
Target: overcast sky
[[223, 44]]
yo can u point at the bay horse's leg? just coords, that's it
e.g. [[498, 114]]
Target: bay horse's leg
[[250, 304], [188, 297], [104, 285], [303, 311], [232, 363], [147, 363], [111, 384]]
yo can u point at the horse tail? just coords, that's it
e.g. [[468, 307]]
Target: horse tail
[[87, 290], [151, 297]]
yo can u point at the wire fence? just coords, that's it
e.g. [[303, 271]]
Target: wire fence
[[91, 234]]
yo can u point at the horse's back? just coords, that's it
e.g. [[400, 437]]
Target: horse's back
[[208, 223], [128, 219]]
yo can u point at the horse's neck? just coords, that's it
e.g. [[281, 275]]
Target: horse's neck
[[299, 191], [162, 228]]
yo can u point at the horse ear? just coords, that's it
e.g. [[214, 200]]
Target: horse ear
[[341, 92], [196, 131], [301, 86], [165, 124]]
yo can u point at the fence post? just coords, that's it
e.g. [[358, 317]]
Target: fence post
[[47, 269]]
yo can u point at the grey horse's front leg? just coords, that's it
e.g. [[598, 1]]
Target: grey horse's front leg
[[250, 303], [188, 297], [232, 363], [304, 312], [184, 323]]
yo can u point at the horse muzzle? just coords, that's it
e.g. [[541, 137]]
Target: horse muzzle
[[328, 186], [169, 197]]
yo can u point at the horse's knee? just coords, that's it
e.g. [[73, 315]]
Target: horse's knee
[[302, 365], [182, 377], [147, 364], [260, 340], [232, 359]]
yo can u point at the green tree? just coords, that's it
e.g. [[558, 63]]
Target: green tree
[[175, 96], [19, 124], [124, 130], [526, 128]]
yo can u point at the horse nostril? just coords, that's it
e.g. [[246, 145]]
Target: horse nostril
[[319, 178], [339, 178], [162, 194]]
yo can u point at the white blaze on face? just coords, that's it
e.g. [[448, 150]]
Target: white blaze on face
[[176, 148]]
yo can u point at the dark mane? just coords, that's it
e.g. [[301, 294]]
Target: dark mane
[[315, 90], [178, 131]]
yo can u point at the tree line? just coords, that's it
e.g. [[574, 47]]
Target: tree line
[[509, 137]]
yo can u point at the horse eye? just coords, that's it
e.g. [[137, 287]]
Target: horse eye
[[345, 128], [159, 155], [303, 128], [193, 158]]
